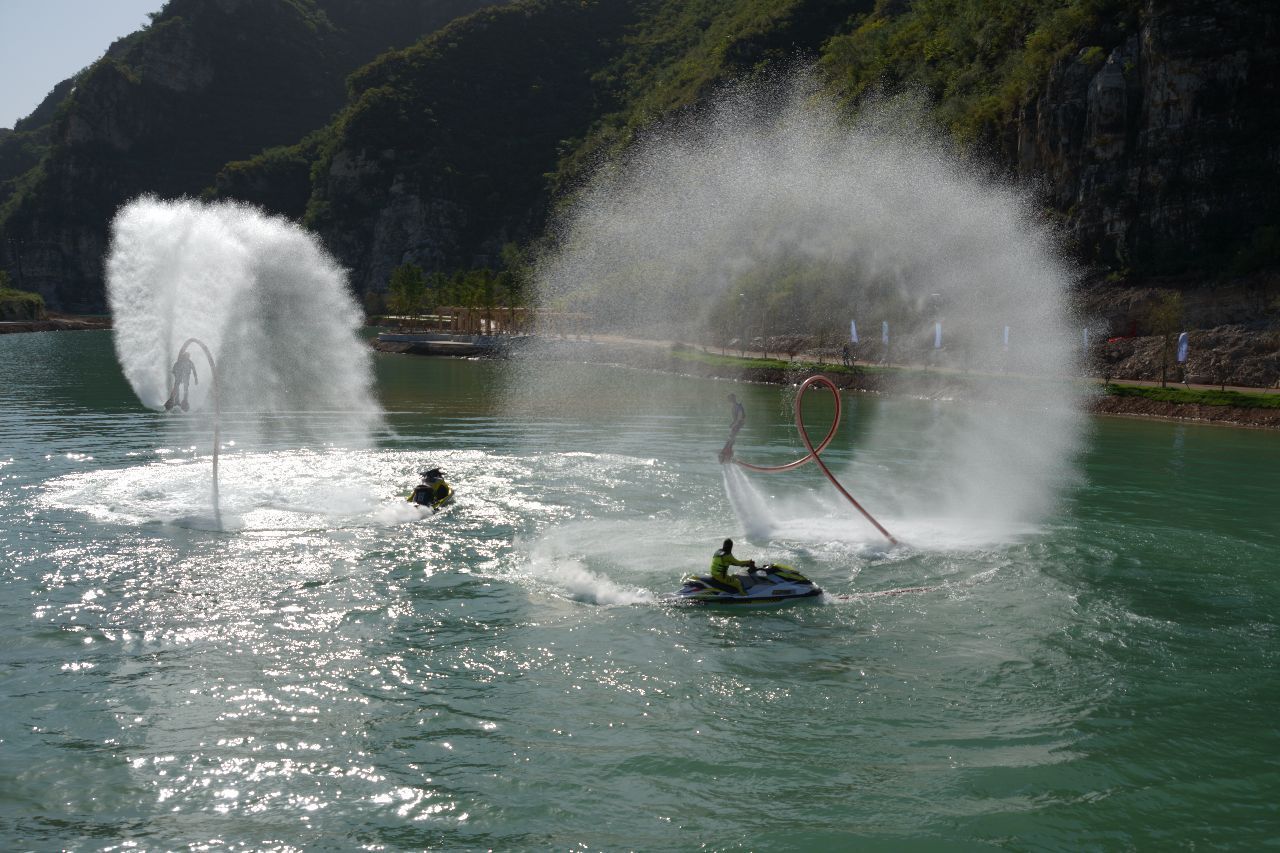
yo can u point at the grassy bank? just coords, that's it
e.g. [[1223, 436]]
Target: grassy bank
[[1185, 396], [1177, 396], [19, 305], [753, 363]]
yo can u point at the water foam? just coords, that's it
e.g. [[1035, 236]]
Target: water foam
[[560, 560]]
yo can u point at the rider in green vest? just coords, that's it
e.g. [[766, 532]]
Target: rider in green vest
[[720, 563], [433, 491]]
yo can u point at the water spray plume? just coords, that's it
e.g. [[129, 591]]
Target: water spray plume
[[770, 214], [264, 300]]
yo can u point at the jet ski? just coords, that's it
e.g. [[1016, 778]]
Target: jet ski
[[768, 584], [433, 492]]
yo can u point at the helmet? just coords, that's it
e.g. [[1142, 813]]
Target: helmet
[[432, 474], [728, 545]]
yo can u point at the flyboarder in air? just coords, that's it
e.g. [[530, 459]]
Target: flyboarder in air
[[739, 418], [184, 370]]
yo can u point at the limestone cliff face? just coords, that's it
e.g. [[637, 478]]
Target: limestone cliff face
[[1165, 154]]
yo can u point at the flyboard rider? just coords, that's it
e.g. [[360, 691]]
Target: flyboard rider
[[739, 418], [184, 370]]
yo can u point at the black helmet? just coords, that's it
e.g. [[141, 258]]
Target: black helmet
[[727, 546], [432, 474]]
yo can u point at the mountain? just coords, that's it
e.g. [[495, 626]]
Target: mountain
[[207, 82], [460, 144], [1146, 127], [1150, 124]]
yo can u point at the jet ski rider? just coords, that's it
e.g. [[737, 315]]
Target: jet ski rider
[[720, 563], [433, 491]]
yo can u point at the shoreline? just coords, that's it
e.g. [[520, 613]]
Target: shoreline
[[55, 323], [903, 381], [1102, 404], [925, 383], [1198, 413]]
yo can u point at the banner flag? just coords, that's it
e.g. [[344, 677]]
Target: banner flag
[[884, 332], [1183, 345], [1006, 337], [937, 336], [853, 331]]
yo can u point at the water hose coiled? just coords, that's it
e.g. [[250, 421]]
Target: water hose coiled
[[814, 452]]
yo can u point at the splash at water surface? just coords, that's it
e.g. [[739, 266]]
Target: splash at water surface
[[770, 215], [261, 292]]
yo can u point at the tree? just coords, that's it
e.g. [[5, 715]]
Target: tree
[[406, 289], [516, 274], [1165, 317]]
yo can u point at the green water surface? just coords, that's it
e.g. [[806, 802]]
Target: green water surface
[[336, 671]]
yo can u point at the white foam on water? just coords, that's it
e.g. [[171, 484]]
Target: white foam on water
[[565, 558]]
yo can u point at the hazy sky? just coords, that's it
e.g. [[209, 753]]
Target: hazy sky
[[43, 42]]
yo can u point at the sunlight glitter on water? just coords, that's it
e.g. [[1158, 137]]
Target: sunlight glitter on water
[[496, 675]]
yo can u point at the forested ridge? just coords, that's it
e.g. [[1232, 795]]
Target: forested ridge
[[1142, 125]]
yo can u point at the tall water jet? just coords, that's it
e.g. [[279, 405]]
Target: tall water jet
[[771, 215], [264, 297]]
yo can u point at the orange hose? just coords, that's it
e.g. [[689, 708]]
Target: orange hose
[[815, 451]]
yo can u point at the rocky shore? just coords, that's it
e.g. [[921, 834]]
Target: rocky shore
[[1198, 412], [56, 324], [933, 384], [1230, 355]]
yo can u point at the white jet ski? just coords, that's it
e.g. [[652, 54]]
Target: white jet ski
[[768, 584]]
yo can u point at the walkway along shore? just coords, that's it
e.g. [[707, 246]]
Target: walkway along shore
[[908, 380]]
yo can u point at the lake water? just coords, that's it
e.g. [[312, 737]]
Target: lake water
[[335, 671]]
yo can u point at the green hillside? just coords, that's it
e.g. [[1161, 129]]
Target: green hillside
[[979, 61], [1145, 130], [167, 107]]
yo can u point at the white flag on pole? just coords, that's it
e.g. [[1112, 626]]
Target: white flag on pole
[[937, 336], [1183, 346], [884, 332], [1006, 337], [1086, 338], [853, 331]]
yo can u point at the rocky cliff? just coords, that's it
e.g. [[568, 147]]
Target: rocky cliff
[[1157, 143]]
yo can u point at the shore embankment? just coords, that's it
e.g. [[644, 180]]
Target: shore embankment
[[55, 323], [1201, 404], [1227, 415]]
